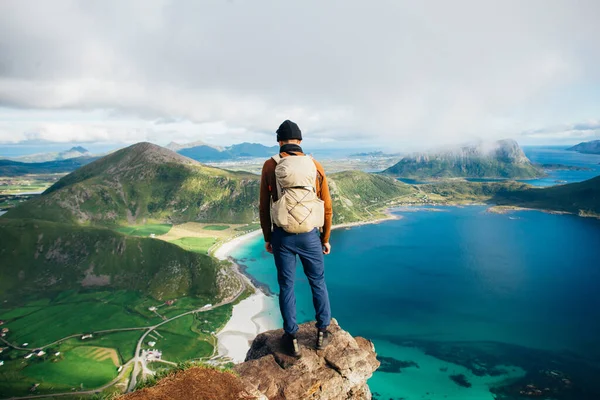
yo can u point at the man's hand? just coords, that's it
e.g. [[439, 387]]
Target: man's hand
[[326, 248], [268, 247]]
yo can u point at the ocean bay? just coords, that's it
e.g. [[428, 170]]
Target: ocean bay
[[504, 288]]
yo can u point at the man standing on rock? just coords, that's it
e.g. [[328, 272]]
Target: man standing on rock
[[295, 216]]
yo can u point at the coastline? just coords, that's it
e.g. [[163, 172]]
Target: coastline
[[254, 315], [250, 316]]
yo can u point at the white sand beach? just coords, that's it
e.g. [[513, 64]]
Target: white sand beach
[[225, 249], [258, 313], [250, 317]]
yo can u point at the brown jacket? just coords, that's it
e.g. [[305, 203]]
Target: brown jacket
[[268, 191]]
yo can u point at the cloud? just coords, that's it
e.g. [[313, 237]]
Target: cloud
[[391, 72], [567, 132]]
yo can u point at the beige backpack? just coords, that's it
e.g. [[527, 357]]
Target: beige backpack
[[298, 209]]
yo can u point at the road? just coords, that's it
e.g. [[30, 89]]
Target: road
[[71, 337], [136, 360]]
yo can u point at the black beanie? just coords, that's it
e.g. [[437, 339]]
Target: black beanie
[[288, 130]]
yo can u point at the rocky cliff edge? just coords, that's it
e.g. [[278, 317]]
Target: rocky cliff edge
[[340, 372]]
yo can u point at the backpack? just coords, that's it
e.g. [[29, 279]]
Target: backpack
[[298, 209]]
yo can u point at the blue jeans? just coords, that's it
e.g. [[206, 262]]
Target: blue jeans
[[307, 246]]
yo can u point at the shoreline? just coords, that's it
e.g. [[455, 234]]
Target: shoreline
[[250, 316], [254, 315]]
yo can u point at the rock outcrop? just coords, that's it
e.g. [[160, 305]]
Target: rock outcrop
[[339, 372]]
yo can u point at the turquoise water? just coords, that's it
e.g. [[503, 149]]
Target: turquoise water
[[498, 301]]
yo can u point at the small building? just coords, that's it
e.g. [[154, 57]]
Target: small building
[[1, 322], [5, 330], [169, 302], [25, 344], [152, 235], [2, 349], [57, 353], [152, 344], [120, 369], [1, 363], [28, 356], [207, 306], [40, 353], [152, 309], [88, 336]]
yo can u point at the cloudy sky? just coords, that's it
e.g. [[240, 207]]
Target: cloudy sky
[[399, 74]]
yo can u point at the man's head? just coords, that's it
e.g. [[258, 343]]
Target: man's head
[[289, 132]]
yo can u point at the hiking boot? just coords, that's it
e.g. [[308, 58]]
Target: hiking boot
[[323, 338], [290, 344]]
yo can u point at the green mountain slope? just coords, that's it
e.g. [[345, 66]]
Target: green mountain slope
[[359, 196], [501, 159], [37, 257], [145, 181], [591, 147], [580, 198]]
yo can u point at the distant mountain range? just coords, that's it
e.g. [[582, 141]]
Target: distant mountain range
[[73, 152], [592, 147], [205, 152], [17, 168], [500, 159]]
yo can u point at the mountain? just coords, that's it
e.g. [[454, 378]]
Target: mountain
[[592, 147], [204, 152], [176, 146], [37, 257], [581, 198], [251, 150], [145, 181], [17, 168], [360, 196], [501, 159], [73, 152]]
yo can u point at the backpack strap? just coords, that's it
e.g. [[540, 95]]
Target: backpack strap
[[277, 158]]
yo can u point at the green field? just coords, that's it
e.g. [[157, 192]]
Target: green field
[[76, 314], [123, 342], [44, 321], [195, 244], [145, 230], [216, 227], [84, 367], [249, 227]]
